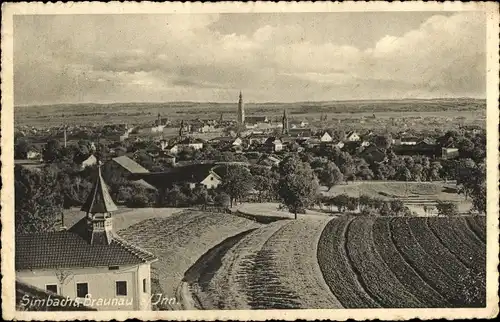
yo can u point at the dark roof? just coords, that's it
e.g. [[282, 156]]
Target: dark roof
[[66, 249], [300, 132], [35, 293], [255, 119], [99, 200], [130, 165]]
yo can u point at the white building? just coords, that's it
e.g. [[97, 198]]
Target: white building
[[352, 136], [326, 137], [89, 262]]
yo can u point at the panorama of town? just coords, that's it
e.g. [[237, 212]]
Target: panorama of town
[[252, 161]]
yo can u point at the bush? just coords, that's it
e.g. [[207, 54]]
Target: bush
[[447, 208], [222, 199], [137, 201]]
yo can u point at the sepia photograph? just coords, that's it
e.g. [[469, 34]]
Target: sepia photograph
[[238, 160]]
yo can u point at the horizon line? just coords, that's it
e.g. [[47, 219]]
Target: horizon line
[[254, 102]]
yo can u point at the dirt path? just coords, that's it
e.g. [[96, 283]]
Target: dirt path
[[275, 266]]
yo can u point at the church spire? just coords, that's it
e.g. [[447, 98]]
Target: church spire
[[284, 122], [98, 208], [241, 110]]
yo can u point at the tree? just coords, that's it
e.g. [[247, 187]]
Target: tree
[[200, 196], [465, 175], [330, 175], [447, 208], [340, 201], [397, 207], [52, 151], [478, 190], [265, 182], [38, 200], [383, 141], [237, 182], [222, 199], [175, 197], [21, 148], [298, 186]]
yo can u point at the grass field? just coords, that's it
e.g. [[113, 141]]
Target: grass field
[[404, 262], [274, 267], [414, 194]]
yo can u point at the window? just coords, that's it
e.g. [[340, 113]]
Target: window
[[51, 288], [144, 285], [121, 288], [82, 289], [113, 268]]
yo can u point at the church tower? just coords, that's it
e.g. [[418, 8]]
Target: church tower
[[181, 129], [284, 121], [241, 111], [98, 208]]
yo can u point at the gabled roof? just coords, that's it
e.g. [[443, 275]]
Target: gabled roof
[[99, 200], [130, 165], [66, 249]]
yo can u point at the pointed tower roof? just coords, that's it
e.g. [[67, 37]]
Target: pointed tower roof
[[99, 199]]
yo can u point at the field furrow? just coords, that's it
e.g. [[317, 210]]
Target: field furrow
[[427, 267], [478, 225], [406, 274], [296, 262], [244, 280], [179, 241], [470, 285], [337, 270], [472, 256], [377, 277]]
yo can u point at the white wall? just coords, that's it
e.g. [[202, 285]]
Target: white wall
[[101, 285]]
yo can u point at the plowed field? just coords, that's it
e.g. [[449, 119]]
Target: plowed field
[[405, 262]]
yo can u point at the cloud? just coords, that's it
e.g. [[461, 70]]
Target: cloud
[[180, 57]]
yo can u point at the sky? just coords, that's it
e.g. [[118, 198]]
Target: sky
[[271, 57]]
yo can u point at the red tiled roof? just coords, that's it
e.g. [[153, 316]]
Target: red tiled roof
[[66, 249]]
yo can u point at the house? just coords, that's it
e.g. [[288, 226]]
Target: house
[[191, 175], [196, 144], [128, 165], [269, 160], [295, 124], [365, 143], [300, 133], [89, 260], [449, 153], [227, 140], [406, 140], [257, 138], [326, 137], [31, 298], [255, 121], [33, 155], [373, 154], [157, 129], [338, 144], [90, 161], [352, 136], [273, 144]]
